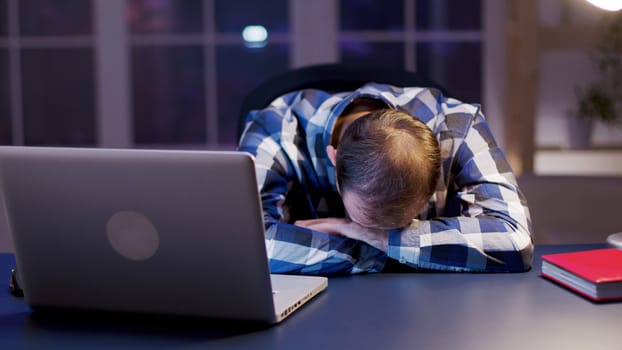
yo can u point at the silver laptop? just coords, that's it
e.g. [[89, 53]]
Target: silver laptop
[[150, 231]]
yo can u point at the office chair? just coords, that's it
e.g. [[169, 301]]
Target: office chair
[[328, 77]]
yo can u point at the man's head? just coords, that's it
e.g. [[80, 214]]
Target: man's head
[[388, 164]]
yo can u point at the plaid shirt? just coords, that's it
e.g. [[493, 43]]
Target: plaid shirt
[[477, 220]]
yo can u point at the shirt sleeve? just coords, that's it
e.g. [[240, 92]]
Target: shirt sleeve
[[493, 229], [294, 249]]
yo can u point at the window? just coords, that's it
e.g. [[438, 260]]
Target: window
[[55, 18], [168, 94], [5, 85], [371, 15], [240, 69], [47, 70], [4, 18], [58, 95], [167, 73], [456, 65], [5, 107], [439, 38], [448, 15], [191, 68], [165, 17]]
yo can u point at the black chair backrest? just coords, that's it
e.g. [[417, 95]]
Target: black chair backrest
[[328, 77]]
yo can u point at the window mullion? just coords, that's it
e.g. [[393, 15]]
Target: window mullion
[[211, 78], [15, 75], [114, 117]]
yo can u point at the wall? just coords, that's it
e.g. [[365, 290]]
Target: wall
[[572, 209]]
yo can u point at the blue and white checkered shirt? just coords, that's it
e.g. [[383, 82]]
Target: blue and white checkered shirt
[[477, 220]]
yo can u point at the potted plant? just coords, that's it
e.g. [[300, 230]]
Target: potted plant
[[600, 100]]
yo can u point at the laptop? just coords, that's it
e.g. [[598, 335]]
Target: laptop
[[150, 231]]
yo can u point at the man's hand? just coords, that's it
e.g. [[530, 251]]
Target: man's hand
[[378, 238]]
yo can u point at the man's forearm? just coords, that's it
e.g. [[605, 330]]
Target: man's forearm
[[295, 249], [377, 238]]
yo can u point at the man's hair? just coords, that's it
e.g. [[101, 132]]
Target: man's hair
[[391, 160]]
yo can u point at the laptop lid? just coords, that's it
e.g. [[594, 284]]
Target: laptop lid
[[154, 231]]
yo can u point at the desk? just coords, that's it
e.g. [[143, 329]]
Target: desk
[[380, 311]]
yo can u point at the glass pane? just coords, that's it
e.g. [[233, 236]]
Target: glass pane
[[372, 54], [240, 69], [455, 66], [168, 95], [165, 16], [4, 19], [233, 16], [448, 14], [50, 17], [371, 15], [58, 96], [5, 99]]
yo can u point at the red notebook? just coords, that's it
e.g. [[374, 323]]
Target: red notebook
[[595, 274]]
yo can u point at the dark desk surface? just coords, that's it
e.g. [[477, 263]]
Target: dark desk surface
[[381, 311]]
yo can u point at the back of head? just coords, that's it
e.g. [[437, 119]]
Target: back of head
[[392, 161]]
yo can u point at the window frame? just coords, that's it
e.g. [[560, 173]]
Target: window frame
[[309, 44]]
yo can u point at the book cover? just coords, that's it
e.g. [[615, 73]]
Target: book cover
[[596, 274]]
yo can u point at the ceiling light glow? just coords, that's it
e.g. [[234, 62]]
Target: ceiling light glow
[[255, 34], [609, 5]]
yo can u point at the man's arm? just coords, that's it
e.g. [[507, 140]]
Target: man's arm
[[294, 249], [492, 231]]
